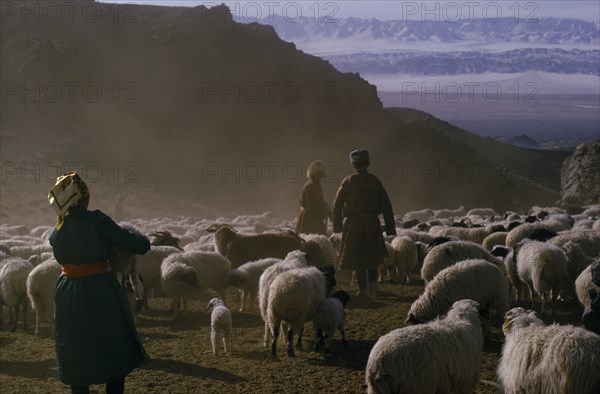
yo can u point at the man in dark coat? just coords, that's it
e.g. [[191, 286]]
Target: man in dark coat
[[96, 338], [360, 199]]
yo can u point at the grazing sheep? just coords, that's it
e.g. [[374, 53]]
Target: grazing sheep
[[423, 215], [475, 234], [443, 356], [295, 259], [328, 250], [220, 326], [149, 267], [417, 236], [577, 261], [588, 240], [294, 296], [241, 248], [535, 231], [542, 266], [190, 274], [41, 283], [547, 359], [498, 238], [510, 268], [389, 263], [246, 278], [477, 280], [13, 289], [449, 213], [406, 257], [449, 253], [482, 212], [584, 284], [329, 318]]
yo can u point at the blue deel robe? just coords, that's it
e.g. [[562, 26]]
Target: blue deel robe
[[96, 338]]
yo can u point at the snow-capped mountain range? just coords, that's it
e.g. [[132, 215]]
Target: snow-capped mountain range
[[551, 31]]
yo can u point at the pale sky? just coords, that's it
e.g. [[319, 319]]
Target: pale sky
[[399, 9]]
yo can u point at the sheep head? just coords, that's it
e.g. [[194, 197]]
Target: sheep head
[[234, 280], [165, 238], [214, 303], [519, 318]]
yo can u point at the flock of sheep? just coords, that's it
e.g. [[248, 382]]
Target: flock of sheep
[[474, 264]]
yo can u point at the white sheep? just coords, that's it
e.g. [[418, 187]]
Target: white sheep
[[406, 257], [220, 326], [389, 263], [148, 265], [449, 253], [417, 236], [448, 213], [443, 356], [477, 280], [329, 251], [482, 212], [588, 240], [190, 274], [41, 283], [577, 261], [510, 268], [329, 318], [584, 284], [422, 216], [542, 266], [241, 248], [528, 230], [547, 359], [474, 234], [295, 259], [497, 238], [13, 288], [246, 278], [294, 296]]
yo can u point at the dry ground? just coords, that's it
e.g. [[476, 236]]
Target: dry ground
[[183, 362]]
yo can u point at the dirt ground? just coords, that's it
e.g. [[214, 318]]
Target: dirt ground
[[183, 361]]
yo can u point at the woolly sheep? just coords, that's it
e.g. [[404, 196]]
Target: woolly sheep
[[498, 238], [547, 359], [577, 260], [41, 283], [423, 215], [294, 296], [542, 266], [220, 326], [476, 234], [406, 257], [443, 356], [295, 259], [584, 284], [449, 253], [448, 213], [526, 230], [189, 274], [329, 318], [241, 248], [388, 263], [417, 236], [13, 289], [483, 212], [510, 268], [477, 280], [588, 240], [149, 267], [329, 251], [246, 278]]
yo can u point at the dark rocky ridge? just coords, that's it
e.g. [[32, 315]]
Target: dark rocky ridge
[[198, 102], [580, 176]]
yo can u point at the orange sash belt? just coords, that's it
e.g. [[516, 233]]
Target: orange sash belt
[[76, 271]]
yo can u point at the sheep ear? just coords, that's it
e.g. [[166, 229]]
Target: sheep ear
[[411, 319], [213, 228]]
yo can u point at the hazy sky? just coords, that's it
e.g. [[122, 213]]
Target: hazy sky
[[397, 9]]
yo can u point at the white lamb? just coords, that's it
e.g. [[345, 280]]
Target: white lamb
[[547, 359], [13, 289], [449, 253], [41, 284], [294, 296], [542, 266], [190, 274], [443, 356], [246, 278], [477, 280], [329, 318], [220, 326]]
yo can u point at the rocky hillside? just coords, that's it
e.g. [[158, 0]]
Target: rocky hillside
[[187, 102], [580, 176]]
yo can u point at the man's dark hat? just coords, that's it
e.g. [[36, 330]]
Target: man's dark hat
[[359, 157]]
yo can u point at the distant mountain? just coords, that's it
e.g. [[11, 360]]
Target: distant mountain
[[557, 61], [188, 103], [522, 141], [543, 31]]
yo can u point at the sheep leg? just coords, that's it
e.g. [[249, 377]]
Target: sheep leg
[[227, 341], [274, 335], [25, 309], [299, 343], [318, 340], [244, 297], [214, 341], [13, 312], [267, 332], [290, 337], [344, 341], [38, 317]]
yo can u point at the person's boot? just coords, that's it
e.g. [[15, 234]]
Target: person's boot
[[361, 278], [373, 284]]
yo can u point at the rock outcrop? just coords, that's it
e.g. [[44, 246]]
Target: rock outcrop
[[580, 176]]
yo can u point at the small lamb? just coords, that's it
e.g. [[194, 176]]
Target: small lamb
[[220, 326], [329, 318]]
